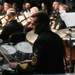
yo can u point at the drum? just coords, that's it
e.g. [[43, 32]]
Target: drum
[[24, 50], [68, 37], [6, 70], [31, 36], [69, 49], [9, 52]]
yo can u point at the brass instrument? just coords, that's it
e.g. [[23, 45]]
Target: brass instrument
[[57, 26], [5, 21], [3, 17], [24, 19], [26, 16]]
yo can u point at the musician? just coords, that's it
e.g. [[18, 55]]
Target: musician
[[1, 10], [56, 22], [6, 7], [55, 9], [48, 49], [14, 5], [28, 26], [43, 7], [27, 6], [12, 25], [23, 8], [60, 24], [54, 15]]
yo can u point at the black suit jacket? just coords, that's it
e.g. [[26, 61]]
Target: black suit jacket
[[50, 51], [12, 27]]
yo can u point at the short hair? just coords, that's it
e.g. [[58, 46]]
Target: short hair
[[11, 11], [14, 4], [34, 10], [55, 2], [42, 17]]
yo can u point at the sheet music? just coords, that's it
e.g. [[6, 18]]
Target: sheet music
[[22, 18], [69, 19]]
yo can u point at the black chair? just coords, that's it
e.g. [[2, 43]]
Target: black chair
[[16, 37]]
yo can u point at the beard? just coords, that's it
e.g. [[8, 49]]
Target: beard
[[38, 29]]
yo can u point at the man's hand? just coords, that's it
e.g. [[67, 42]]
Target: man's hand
[[13, 65]]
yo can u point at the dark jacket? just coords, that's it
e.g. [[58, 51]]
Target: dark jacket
[[12, 27], [48, 51]]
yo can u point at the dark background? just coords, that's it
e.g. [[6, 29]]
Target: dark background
[[33, 2], [48, 3]]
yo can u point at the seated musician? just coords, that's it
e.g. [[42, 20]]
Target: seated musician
[[27, 26], [12, 25], [56, 21], [48, 49], [54, 14]]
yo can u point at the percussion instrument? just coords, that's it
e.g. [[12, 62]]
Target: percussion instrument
[[67, 49], [9, 52], [53, 30], [65, 34], [6, 70], [24, 50], [7, 49], [68, 37], [31, 36]]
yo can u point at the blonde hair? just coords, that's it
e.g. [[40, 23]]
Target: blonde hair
[[64, 7]]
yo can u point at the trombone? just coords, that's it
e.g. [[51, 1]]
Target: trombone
[[3, 17], [15, 18], [24, 19], [1, 22]]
